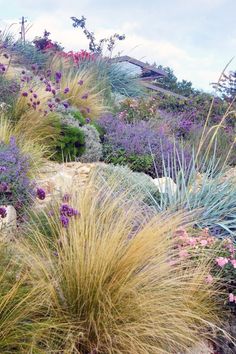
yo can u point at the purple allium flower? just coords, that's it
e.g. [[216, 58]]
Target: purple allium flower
[[35, 95], [88, 120], [3, 187], [66, 198], [85, 96], [41, 194], [64, 221], [64, 209], [3, 168], [58, 76], [65, 104], [48, 73], [70, 212], [66, 90], [53, 91], [80, 82], [2, 67], [76, 212], [48, 88], [3, 212], [24, 94]]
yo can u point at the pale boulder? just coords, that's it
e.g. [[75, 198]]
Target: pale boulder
[[165, 185]]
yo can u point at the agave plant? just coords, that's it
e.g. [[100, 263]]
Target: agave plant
[[202, 187]]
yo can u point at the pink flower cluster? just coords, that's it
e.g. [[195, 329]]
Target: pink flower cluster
[[77, 57], [186, 243], [232, 298], [187, 246]]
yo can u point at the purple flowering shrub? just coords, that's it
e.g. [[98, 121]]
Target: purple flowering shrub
[[141, 141], [16, 188]]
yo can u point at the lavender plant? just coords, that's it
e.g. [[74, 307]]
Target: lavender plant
[[16, 188], [138, 140]]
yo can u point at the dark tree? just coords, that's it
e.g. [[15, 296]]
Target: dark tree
[[226, 87], [94, 45]]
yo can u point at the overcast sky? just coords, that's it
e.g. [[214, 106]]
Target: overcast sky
[[194, 37]]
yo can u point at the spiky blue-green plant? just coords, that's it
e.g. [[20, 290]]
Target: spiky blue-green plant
[[202, 188]]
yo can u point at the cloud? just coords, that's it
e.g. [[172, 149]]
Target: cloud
[[184, 35]]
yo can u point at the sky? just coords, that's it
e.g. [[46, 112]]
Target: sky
[[196, 38]]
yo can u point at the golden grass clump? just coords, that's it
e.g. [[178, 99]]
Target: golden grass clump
[[109, 282], [19, 304], [84, 92], [34, 139]]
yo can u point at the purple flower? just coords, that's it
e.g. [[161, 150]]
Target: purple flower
[[58, 76], [88, 120], [64, 221], [24, 94], [41, 194], [66, 90], [85, 96], [15, 187], [66, 198], [3, 187], [65, 104], [80, 82], [63, 209], [3, 168], [3, 212], [35, 95]]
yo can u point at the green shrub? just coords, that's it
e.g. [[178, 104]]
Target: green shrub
[[137, 163], [71, 144], [79, 117]]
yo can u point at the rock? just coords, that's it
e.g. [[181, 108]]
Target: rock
[[165, 185], [57, 178], [8, 224]]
